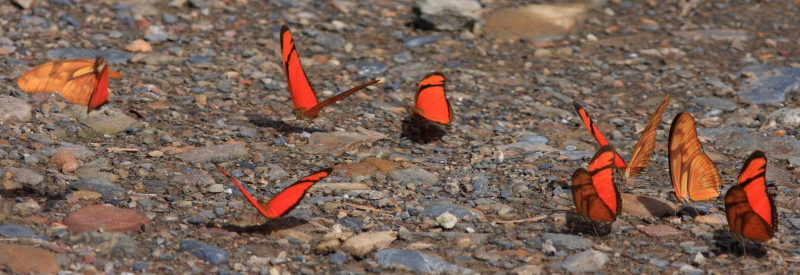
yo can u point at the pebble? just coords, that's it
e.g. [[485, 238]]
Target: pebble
[[446, 220], [788, 117], [139, 45], [66, 159], [108, 218], [106, 188], [28, 260], [12, 107], [413, 175], [330, 41], [11, 230], [645, 206], [338, 258], [115, 244], [446, 15], [533, 21], [658, 231], [25, 176], [768, 83], [27, 209], [365, 243], [368, 68], [456, 210], [716, 102], [417, 262], [108, 122], [112, 56], [206, 252], [336, 143], [214, 153], [565, 242]]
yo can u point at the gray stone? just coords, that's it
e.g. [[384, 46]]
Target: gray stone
[[112, 56], [586, 261], [414, 175], [214, 153], [206, 252], [104, 187], [447, 15], [115, 244], [788, 117], [566, 242], [417, 262], [330, 41], [716, 102], [107, 121], [768, 84], [459, 211]]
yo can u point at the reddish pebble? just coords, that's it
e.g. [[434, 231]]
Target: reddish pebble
[[108, 218], [27, 260], [66, 159], [619, 84]]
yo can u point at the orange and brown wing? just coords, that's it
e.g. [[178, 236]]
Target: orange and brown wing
[[647, 142], [749, 208], [290, 197], [598, 135], [314, 111], [693, 174], [303, 95], [431, 102], [593, 191], [75, 79]]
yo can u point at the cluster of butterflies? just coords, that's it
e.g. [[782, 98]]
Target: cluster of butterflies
[[749, 208], [85, 82]]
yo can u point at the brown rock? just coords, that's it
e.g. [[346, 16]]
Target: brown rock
[[108, 218], [357, 169], [139, 45], [383, 165], [645, 206], [533, 21], [658, 231], [362, 244], [28, 260], [335, 143], [66, 159]]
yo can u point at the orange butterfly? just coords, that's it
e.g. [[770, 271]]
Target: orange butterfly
[[306, 105], [431, 100], [81, 81], [644, 147], [749, 207], [693, 175], [595, 195], [287, 199]]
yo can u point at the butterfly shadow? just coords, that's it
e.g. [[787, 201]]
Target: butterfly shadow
[[279, 126], [267, 227], [421, 130], [726, 243], [577, 225]]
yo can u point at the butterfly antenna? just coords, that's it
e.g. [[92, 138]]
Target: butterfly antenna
[[595, 230]]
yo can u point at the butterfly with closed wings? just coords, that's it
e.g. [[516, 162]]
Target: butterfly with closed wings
[[81, 81], [749, 208]]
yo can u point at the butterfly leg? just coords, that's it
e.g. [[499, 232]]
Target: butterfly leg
[[595, 230]]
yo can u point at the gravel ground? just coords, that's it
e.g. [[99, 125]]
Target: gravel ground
[[132, 187]]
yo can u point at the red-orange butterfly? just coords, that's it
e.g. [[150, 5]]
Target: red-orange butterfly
[[430, 101], [306, 105], [81, 81], [644, 147], [693, 175], [595, 195], [287, 199], [749, 207]]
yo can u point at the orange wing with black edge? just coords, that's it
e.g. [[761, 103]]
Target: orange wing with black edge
[[749, 208], [306, 104], [284, 201], [647, 142], [77, 80], [593, 191], [598, 135], [693, 174], [431, 102]]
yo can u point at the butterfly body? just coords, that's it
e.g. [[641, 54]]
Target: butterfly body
[[306, 105], [81, 81]]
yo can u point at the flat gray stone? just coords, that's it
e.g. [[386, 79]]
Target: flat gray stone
[[417, 262], [768, 84], [214, 153], [14, 107]]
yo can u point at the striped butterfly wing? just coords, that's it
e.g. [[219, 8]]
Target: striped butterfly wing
[[595, 131], [75, 79], [647, 142], [749, 208], [284, 201], [306, 104], [430, 101], [593, 191], [693, 174], [303, 95]]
